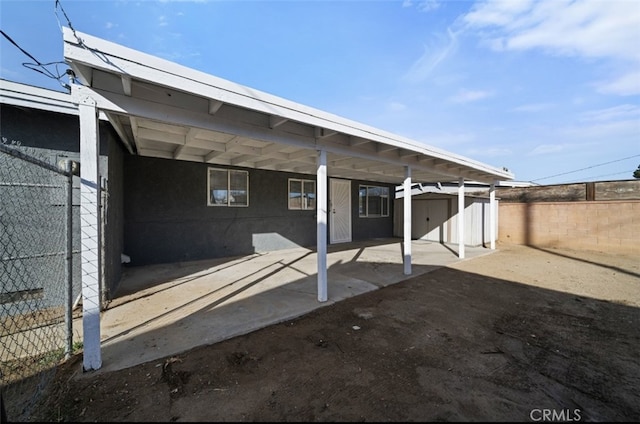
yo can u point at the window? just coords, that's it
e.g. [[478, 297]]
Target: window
[[302, 194], [373, 201], [228, 187]]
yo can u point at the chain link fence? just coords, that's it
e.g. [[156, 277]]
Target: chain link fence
[[36, 274]]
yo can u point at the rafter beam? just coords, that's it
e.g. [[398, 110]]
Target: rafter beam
[[381, 147], [177, 151], [134, 126], [214, 106], [117, 125], [212, 155], [356, 141], [241, 159], [320, 132], [126, 85], [276, 121]]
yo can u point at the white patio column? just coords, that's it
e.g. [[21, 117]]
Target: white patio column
[[407, 220], [321, 204], [90, 230], [492, 215], [461, 218]]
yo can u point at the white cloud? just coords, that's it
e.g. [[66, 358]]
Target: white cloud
[[433, 55], [625, 85], [396, 106], [582, 28], [162, 21], [422, 6], [534, 107], [490, 152], [110, 25], [447, 139], [544, 149], [466, 96], [616, 113]]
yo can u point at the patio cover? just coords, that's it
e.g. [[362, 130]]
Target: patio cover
[[162, 109]]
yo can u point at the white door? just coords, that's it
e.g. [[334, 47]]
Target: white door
[[340, 211], [428, 218]]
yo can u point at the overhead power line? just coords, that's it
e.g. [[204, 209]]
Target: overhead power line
[[584, 169], [37, 65], [599, 176]]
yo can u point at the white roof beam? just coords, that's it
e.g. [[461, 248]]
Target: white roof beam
[[266, 162], [125, 105], [126, 85], [134, 126], [212, 155], [214, 106], [117, 125], [119, 59], [164, 137], [178, 151], [242, 159], [356, 141], [276, 121], [381, 147], [273, 147], [323, 132], [83, 73], [303, 153]]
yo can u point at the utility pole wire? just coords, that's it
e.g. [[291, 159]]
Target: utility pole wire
[[584, 169]]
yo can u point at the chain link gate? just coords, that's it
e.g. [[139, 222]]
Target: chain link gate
[[36, 274]]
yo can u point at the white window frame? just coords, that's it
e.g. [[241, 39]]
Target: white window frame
[[302, 193], [366, 213], [228, 172]]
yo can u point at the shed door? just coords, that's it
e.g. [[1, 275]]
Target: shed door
[[340, 211], [428, 219]]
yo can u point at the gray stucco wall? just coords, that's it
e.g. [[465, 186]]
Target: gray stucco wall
[[167, 218], [370, 227], [53, 137], [113, 199]]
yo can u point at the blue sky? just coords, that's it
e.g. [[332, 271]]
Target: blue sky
[[543, 88]]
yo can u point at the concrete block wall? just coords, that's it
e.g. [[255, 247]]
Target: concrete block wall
[[612, 226]]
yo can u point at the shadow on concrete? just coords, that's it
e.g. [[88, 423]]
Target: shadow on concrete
[[473, 347], [175, 307]]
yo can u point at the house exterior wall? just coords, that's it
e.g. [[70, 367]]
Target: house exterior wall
[[370, 227], [53, 137], [167, 218], [112, 207], [612, 226]]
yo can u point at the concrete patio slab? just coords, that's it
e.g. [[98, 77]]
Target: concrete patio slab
[[163, 310]]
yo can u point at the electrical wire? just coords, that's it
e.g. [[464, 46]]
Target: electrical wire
[[598, 177], [39, 66], [55, 10], [584, 169]]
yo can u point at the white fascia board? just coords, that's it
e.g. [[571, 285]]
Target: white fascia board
[[23, 95], [16, 94], [124, 105], [121, 60]]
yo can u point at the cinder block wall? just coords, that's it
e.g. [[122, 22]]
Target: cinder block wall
[[612, 226]]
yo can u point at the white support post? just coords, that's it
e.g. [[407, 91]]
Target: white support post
[[90, 231], [461, 218], [321, 203], [492, 215], [407, 220]]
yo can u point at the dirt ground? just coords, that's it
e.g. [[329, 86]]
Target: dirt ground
[[522, 334]]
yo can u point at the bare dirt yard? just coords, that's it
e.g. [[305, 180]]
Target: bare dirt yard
[[522, 334]]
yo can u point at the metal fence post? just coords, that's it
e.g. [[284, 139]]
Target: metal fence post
[[69, 234]]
